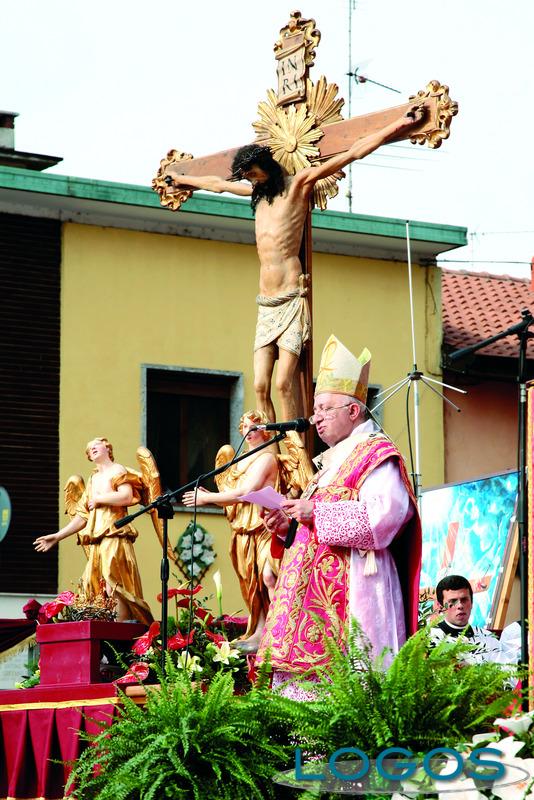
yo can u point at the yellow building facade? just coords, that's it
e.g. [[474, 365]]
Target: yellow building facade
[[144, 289]]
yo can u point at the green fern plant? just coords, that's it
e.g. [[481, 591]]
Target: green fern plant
[[188, 743], [424, 700]]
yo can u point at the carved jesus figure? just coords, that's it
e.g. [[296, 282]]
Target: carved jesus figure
[[281, 203]]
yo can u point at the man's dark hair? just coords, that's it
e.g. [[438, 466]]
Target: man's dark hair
[[261, 156], [452, 583]]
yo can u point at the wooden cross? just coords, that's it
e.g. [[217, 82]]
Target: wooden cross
[[302, 124]]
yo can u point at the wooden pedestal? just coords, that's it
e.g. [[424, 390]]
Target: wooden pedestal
[[70, 652]]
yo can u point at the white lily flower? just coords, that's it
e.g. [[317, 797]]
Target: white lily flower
[[411, 789], [225, 652], [189, 663], [461, 788], [509, 747], [218, 583], [520, 789], [478, 738], [218, 589], [520, 723]]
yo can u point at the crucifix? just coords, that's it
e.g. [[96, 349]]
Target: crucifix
[[300, 127]]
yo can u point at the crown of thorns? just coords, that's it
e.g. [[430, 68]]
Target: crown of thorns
[[251, 154]]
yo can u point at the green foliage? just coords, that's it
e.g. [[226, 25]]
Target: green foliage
[[33, 677], [424, 700], [189, 744]]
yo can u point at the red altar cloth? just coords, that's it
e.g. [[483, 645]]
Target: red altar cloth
[[40, 726], [13, 631]]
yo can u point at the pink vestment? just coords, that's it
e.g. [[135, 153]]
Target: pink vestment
[[361, 558]]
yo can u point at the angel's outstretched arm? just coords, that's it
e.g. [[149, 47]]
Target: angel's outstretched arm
[[44, 543], [262, 472]]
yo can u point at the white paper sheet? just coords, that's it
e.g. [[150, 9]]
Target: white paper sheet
[[267, 498]]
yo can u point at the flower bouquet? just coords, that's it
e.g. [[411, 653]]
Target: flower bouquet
[[70, 607], [197, 642]]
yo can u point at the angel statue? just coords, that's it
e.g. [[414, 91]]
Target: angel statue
[[253, 558], [93, 510]]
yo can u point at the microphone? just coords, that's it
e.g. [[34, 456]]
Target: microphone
[[290, 535], [300, 424]]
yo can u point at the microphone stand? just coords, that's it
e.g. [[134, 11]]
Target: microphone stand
[[414, 377], [521, 330], [165, 510]]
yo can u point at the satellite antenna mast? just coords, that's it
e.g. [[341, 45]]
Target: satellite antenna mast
[[352, 5]]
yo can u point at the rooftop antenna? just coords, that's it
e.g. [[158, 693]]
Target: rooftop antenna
[[364, 79], [415, 377], [358, 78], [352, 6]]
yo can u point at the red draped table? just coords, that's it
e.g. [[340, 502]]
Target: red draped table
[[41, 728]]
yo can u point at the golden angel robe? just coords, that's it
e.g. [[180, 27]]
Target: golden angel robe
[[111, 552], [250, 547]]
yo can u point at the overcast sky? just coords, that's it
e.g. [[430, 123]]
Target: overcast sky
[[112, 85]]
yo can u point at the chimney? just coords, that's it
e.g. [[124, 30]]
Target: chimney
[[9, 157], [7, 129]]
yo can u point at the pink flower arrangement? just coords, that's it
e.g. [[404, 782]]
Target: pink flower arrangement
[[136, 672], [49, 611]]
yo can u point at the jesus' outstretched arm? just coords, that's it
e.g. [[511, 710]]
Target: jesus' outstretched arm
[[210, 183]]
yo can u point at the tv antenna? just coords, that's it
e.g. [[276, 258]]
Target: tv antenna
[[415, 377]]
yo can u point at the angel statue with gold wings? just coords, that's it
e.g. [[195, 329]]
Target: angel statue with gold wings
[[253, 558], [93, 510]]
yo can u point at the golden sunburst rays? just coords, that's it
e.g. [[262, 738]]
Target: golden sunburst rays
[[322, 100], [326, 189], [446, 109], [289, 133], [170, 196], [292, 132]]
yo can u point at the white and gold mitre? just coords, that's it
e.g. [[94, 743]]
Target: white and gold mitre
[[341, 372]]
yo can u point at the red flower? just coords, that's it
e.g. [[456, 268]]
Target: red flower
[[215, 637], [49, 610], [252, 674], [67, 598], [189, 592], [228, 620], [170, 593], [144, 642], [137, 672], [178, 641], [203, 613], [31, 609]]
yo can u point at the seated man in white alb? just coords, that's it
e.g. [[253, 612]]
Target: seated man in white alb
[[455, 598]]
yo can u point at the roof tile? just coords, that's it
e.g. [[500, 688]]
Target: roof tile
[[477, 305]]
